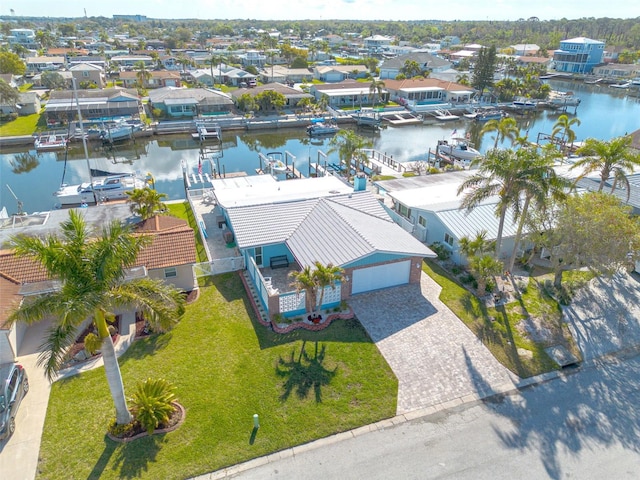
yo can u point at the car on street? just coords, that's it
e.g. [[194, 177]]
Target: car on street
[[14, 385]]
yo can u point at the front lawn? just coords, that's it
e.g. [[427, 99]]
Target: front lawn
[[24, 125], [498, 327], [226, 367]]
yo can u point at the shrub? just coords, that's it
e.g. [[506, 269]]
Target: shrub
[[456, 270], [151, 403], [92, 343], [439, 249], [112, 330], [120, 430]]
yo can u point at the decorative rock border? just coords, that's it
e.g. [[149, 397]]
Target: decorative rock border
[[157, 431], [286, 328]]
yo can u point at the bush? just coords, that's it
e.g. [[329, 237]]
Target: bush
[[439, 249], [151, 404], [456, 270], [92, 343], [120, 430], [467, 278]]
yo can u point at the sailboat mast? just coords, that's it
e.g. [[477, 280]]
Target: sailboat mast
[[84, 139]]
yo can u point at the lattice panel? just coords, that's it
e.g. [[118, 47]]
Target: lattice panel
[[290, 302]]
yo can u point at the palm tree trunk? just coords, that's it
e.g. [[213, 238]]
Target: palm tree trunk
[[516, 241], [557, 277], [112, 370], [503, 214]]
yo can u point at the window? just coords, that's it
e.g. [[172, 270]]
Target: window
[[422, 221], [404, 211], [258, 258], [170, 272], [85, 74], [448, 239]]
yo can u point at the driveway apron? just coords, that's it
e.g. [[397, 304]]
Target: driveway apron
[[435, 357]]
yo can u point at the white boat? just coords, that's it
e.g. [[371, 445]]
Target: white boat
[[563, 99], [113, 187], [524, 104], [321, 128], [367, 118], [445, 115], [50, 142], [119, 131], [489, 114], [458, 148], [621, 85], [275, 162]]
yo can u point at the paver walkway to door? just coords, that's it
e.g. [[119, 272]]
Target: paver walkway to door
[[436, 358]]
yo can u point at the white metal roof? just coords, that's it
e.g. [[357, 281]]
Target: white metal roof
[[262, 189], [483, 217]]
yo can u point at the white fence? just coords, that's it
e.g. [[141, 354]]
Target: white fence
[[221, 265]]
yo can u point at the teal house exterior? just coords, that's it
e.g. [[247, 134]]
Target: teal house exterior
[[578, 55]]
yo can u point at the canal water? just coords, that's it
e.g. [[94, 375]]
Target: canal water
[[604, 113]]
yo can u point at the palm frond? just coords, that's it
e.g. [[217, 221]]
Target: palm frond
[[55, 347]]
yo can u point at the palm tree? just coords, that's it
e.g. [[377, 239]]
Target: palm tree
[[504, 128], [537, 180], [471, 247], [563, 125], [92, 273], [608, 157], [376, 88], [303, 280], [143, 75], [146, 202], [497, 176], [326, 276], [349, 146], [484, 268]]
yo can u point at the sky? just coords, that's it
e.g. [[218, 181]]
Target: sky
[[330, 9]]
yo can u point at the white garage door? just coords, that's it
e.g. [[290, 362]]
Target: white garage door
[[381, 276]]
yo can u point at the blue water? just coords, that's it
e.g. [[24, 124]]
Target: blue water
[[604, 113]]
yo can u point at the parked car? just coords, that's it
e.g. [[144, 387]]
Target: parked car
[[14, 385]]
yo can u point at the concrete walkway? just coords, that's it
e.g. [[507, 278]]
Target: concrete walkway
[[19, 454], [436, 358]]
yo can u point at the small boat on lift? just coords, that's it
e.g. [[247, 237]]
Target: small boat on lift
[[562, 99], [47, 142], [103, 189], [458, 148]]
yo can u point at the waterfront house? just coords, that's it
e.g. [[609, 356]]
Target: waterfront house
[[282, 74], [253, 57], [348, 94], [424, 94], [280, 226], [28, 104], [169, 257], [129, 61], [179, 103], [292, 96], [617, 71], [377, 43], [578, 55], [428, 62], [93, 103]]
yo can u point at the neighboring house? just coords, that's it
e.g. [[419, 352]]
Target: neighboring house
[[430, 207], [170, 257], [131, 60], [189, 102], [67, 76], [203, 76], [237, 77], [525, 49], [25, 37], [617, 71], [14, 81], [525, 61], [292, 95], [449, 41], [338, 73], [87, 72], [158, 79], [253, 57], [28, 104], [347, 93], [376, 43], [423, 94], [92, 60], [282, 74], [332, 40], [169, 62], [392, 67], [93, 103], [69, 54], [44, 64], [312, 220], [578, 55]]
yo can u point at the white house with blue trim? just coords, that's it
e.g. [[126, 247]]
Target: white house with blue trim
[[283, 225]]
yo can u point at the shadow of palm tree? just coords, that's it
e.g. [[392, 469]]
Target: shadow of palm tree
[[304, 373], [103, 461], [134, 457]]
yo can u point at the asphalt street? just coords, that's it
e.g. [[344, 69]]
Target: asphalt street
[[584, 424]]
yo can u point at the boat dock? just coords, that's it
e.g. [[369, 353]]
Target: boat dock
[[402, 118]]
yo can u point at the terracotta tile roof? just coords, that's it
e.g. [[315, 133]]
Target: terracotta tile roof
[[9, 298], [20, 269], [173, 243]]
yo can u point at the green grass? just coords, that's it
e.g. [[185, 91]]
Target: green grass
[[496, 327], [183, 210], [25, 125], [226, 367]]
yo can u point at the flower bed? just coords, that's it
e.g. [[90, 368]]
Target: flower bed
[[136, 431]]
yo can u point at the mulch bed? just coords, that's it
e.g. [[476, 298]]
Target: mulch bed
[[177, 419], [78, 345]]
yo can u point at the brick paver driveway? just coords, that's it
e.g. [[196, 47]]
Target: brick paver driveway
[[436, 358]]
